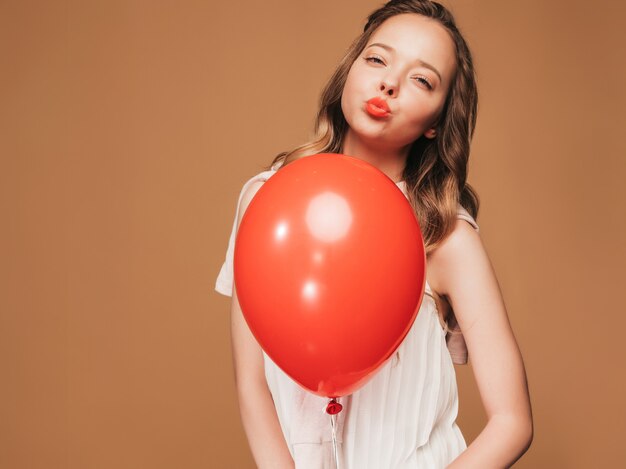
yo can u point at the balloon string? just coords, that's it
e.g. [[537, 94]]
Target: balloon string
[[333, 408], [333, 424]]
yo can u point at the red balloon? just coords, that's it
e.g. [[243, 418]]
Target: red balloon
[[329, 269]]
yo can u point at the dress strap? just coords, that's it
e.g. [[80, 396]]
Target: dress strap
[[463, 214]]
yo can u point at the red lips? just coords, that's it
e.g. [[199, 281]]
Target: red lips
[[377, 107]]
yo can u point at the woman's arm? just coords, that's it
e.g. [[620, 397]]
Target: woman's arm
[[463, 273], [256, 405]]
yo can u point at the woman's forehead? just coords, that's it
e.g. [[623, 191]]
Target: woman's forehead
[[415, 37]]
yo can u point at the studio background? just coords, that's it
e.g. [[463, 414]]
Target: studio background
[[127, 129]]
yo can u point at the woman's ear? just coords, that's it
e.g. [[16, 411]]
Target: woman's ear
[[430, 133]]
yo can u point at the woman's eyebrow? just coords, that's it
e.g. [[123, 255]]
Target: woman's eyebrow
[[420, 61]]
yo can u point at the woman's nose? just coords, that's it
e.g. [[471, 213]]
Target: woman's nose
[[389, 88]]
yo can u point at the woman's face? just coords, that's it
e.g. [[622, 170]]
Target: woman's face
[[409, 62]]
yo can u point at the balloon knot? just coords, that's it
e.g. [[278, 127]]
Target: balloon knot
[[333, 407]]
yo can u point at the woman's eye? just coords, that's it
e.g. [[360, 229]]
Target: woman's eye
[[425, 82], [375, 60]]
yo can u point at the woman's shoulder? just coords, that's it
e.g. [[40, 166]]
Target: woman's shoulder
[[458, 247], [249, 189], [463, 235]]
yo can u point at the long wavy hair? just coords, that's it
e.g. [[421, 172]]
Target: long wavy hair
[[436, 169]]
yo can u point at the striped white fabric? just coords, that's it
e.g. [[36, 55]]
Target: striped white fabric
[[404, 417]]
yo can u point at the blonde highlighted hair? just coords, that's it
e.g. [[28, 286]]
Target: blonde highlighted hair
[[436, 169]]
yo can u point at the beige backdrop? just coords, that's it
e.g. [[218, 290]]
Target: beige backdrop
[[126, 131]]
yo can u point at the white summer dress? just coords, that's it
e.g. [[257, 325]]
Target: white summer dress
[[404, 417]]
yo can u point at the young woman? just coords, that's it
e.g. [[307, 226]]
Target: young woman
[[404, 99]]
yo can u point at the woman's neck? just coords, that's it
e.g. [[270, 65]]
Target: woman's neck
[[389, 161]]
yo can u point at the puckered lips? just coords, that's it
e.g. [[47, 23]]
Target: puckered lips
[[377, 107]]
